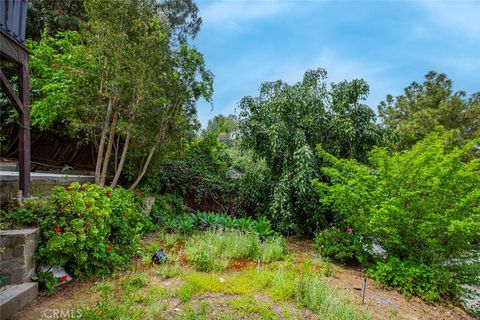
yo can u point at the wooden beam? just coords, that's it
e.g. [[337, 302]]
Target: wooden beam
[[12, 96], [12, 49], [24, 132]]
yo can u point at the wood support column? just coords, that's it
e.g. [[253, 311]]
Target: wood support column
[[24, 132]]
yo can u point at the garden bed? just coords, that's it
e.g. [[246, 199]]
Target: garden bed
[[177, 291]]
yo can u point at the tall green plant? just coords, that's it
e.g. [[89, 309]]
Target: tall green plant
[[421, 205], [285, 123]]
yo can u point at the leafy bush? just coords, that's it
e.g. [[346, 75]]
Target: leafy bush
[[87, 229], [419, 205], [413, 278], [46, 280], [165, 206], [198, 176], [340, 245]]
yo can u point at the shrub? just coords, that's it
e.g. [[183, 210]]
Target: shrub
[[344, 246], [413, 278], [87, 229], [419, 205], [46, 280], [166, 206]]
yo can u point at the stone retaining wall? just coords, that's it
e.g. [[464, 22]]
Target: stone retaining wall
[[17, 249]]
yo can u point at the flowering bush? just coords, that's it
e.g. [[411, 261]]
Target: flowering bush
[[87, 229]]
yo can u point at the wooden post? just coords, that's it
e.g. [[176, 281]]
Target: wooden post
[[24, 132], [364, 290]]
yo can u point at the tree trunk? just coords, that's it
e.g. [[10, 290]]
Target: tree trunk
[[116, 145], [160, 135], [106, 160], [145, 166], [102, 141], [122, 161], [149, 158]]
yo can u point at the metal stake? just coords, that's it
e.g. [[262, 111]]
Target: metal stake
[[364, 289]]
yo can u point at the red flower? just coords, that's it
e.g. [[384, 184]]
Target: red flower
[[107, 193], [109, 248], [125, 215], [410, 281], [63, 278], [135, 259], [58, 230]]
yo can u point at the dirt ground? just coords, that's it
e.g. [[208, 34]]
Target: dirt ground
[[381, 303]]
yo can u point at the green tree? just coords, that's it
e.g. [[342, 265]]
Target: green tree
[[224, 128], [421, 205], [285, 123], [142, 83], [424, 107]]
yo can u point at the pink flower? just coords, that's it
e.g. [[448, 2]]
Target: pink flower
[[349, 230]]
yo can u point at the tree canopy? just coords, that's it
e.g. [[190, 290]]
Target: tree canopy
[[424, 107], [284, 124]]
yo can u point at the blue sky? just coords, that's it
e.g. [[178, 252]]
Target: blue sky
[[387, 43]]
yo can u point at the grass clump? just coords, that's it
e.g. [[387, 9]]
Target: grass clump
[[248, 305], [311, 291], [212, 250], [273, 248]]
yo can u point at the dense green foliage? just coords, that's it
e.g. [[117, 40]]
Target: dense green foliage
[[86, 229], [119, 75], [187, 223], [341, 245], [212, 174], [199, 175], [123, 76], [52, 63], [424, 107], [421, 206], [285, 123], [415, 278]]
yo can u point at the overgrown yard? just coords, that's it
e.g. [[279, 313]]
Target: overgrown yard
[[291, 285]]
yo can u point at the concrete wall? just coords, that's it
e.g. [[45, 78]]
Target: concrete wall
[[17, 249], [41, 183]]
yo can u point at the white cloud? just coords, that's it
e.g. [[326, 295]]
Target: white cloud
[[460, 17], [231, 14], [339, 68], [266, 68]]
